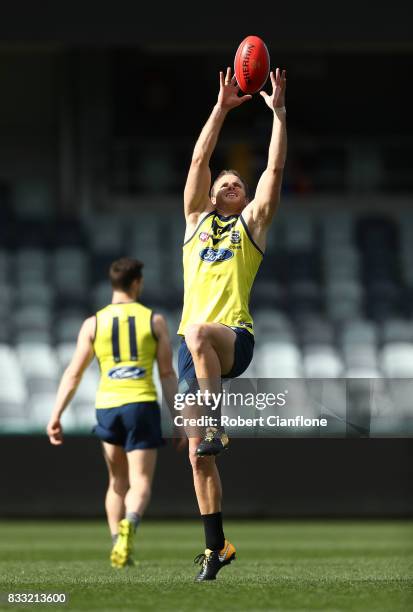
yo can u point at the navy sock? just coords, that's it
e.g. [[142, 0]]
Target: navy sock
[[214, 532]]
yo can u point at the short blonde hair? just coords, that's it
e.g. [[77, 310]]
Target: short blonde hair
[[230, 171]]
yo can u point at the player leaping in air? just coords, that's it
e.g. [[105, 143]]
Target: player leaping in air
[[224, 244]]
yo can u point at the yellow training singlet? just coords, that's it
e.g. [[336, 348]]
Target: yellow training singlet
[[125, 347], [220, 264]]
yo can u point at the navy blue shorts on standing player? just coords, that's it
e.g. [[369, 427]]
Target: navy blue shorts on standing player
[[132, 426], [243, 352]]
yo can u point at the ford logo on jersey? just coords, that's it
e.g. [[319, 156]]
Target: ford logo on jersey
[[211, 255], [126, 372]]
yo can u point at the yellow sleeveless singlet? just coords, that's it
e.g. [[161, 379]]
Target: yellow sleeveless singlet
[[220, 263], [125, 347]]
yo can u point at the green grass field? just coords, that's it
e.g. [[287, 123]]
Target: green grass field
[[340, 565]]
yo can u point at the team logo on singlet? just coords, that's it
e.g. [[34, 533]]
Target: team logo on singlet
[[122, 372], [235, 237], [221, 229], [211, 255], [203, 236]]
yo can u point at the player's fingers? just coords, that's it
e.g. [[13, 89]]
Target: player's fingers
[[264, 94], [221, 78], [228, 76], [277, 92], [272, 77], [245, 98], [234, 82]]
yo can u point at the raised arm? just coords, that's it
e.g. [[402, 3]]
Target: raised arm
[[198, 182], [260, 211], [71, 378]]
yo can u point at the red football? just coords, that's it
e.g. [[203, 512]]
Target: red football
[[252, 64]]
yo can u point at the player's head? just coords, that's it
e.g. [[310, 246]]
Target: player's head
[[229, 192], [126, 275]]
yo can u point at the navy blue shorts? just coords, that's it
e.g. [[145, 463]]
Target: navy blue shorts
[[243, 352], [132, 426]]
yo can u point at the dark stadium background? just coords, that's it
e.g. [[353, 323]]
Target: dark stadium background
[[89, 93]]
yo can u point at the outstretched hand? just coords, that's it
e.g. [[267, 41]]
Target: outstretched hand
[[277, 97], [228, 91]]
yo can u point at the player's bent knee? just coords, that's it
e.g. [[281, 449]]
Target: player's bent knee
[[196, 336]]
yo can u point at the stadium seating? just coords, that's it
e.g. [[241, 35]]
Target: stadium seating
[[321, 361], [397, 360], [39, 365], [13, 390], [333, 299]]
